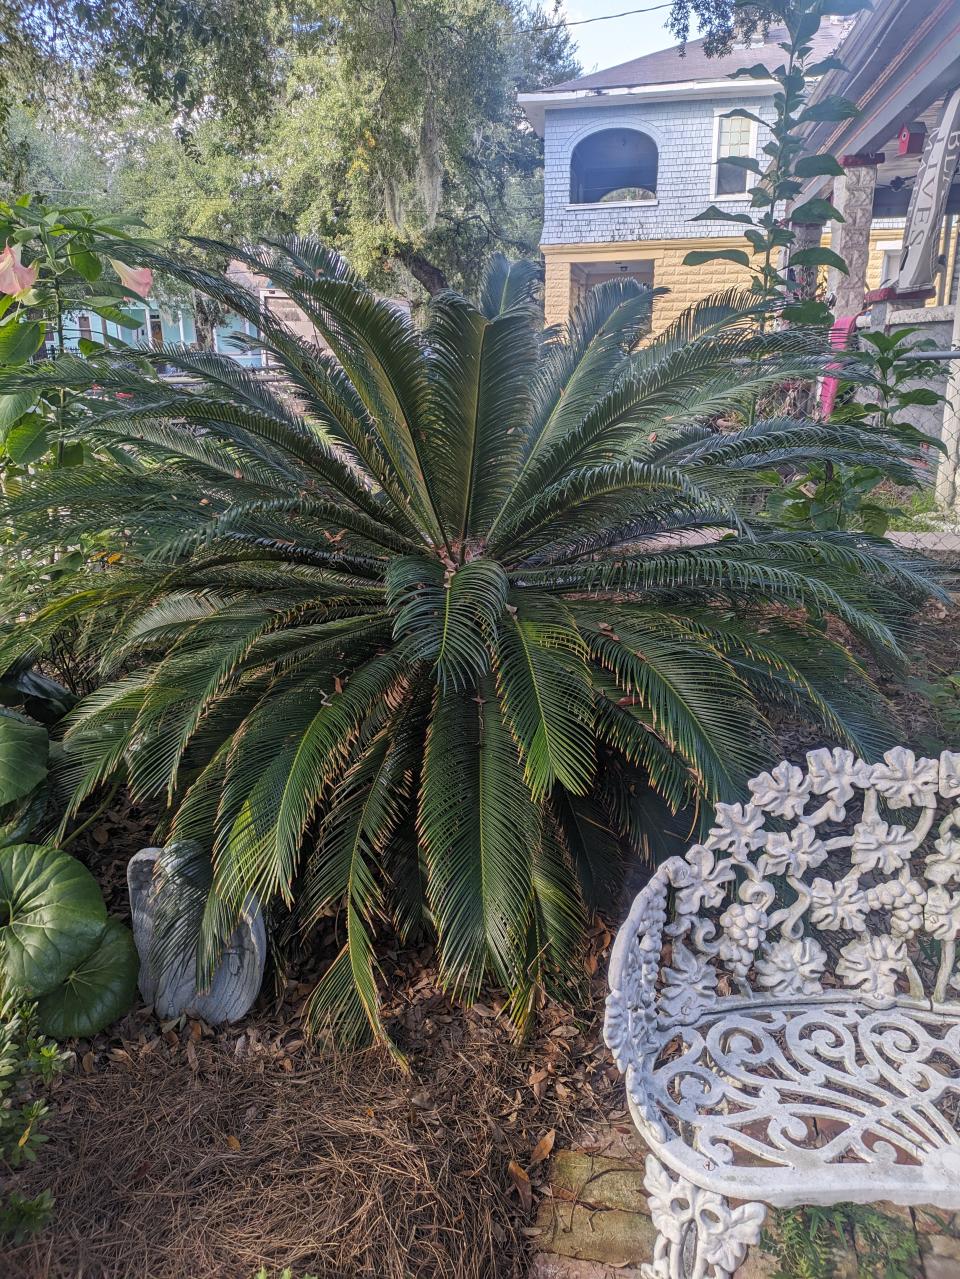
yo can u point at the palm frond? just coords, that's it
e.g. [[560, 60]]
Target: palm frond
[[430, 629], [507, 285], [447, 618], [477, 824], [545, 684]]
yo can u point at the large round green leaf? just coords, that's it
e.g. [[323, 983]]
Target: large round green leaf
[[51, 916], [24, 747], [97, 991], [18, 821]]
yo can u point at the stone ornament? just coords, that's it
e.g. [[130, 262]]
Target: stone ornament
[[173, 991], [783, 1003]]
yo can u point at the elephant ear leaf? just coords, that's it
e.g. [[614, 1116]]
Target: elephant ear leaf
[[98, 990], [24, 747], [51, 916]]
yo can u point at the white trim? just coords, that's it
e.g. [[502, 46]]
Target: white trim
[[744, 195], [635, 124], [885, 247], [535, 104], [614, 204]]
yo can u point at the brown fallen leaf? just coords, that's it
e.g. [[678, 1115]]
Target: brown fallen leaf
[[86, 1061], [522, 1184], [543, 1147]]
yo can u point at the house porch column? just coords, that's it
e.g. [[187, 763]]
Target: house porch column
[[853, 198], [948, 464], [556, 290]]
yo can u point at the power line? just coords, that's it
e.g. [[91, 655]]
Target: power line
[[603, 17]]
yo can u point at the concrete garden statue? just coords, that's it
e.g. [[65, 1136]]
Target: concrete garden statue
[[168, 979]]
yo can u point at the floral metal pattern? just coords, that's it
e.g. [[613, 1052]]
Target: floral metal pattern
[[783, 997], [698, 1232]]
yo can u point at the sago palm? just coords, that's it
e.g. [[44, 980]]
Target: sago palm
[[417, 629]]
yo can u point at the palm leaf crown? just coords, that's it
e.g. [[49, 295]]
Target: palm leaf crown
[[430, 629]]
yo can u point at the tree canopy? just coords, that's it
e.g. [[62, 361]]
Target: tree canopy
[[391, 130]]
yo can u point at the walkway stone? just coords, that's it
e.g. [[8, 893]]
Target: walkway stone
[[595, 1224]]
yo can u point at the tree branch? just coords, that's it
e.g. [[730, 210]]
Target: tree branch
[[422, 270]]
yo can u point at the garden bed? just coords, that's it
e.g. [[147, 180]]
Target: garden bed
[[188, 1152], [177, 1150]]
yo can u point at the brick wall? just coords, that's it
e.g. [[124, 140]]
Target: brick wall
[[684, 134], [686, 284]]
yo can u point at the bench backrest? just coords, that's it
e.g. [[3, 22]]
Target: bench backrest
[[838, 877]]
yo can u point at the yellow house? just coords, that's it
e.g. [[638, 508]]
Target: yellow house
[[633, 153]]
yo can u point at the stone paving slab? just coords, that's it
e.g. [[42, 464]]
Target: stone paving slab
[[548, 1266], [595, 1223]]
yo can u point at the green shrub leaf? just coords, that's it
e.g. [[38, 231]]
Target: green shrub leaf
[[97, 990], [52, 915], [24, 747], [818, 257], [19, 341], [698, 257]]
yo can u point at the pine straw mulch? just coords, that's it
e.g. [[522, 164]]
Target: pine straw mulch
[[203, 1155], [182, 1152]]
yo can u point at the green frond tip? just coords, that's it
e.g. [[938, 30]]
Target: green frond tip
[[447, 617]]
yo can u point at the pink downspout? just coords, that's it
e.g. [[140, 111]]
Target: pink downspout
[[840, 336]]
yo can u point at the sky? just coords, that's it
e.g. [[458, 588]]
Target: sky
[[604, 44]]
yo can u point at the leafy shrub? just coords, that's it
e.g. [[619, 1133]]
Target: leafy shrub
[[67, 251], [429, 637], [29, 703], [26, 1060], [837, 495], [810, 1243], [57, 945]]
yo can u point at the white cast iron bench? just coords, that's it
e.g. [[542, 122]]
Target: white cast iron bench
[[784, 1005]]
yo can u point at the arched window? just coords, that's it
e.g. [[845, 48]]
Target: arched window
[[612, 165]]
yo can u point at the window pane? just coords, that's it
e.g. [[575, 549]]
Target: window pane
[[735, 136], [734, 139]]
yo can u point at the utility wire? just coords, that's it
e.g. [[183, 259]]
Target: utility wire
[[603, 17]]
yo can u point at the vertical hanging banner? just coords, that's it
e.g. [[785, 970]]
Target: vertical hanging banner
[[921, 236]]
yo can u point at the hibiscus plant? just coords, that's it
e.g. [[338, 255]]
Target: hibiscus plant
[[55, 261]]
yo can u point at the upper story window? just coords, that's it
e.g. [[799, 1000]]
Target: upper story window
[[735, 137], [613, 165]]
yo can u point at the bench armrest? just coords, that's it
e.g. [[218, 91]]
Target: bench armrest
[[631, 1014]]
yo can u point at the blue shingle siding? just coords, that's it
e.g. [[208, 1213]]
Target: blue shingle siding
[[683, 132]]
